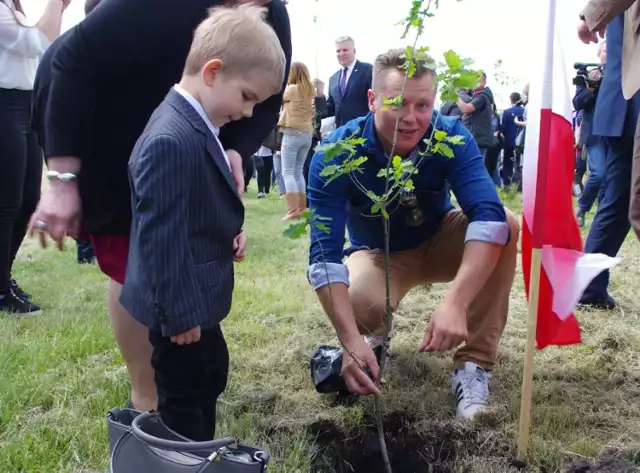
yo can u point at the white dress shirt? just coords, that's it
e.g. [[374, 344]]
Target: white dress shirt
[[200, 109], [20, 49]]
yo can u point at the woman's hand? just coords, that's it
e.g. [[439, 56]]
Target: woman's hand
[[58, 213]]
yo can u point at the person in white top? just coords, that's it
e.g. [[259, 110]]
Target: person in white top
[[21, 46]]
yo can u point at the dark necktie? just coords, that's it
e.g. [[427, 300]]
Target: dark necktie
[[343, 81]]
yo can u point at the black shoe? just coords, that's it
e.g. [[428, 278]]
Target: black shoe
[[608, 303], [18, 290], [14, 304], [580, 218]]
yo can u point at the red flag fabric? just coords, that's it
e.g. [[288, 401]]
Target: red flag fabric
[[549, 222]]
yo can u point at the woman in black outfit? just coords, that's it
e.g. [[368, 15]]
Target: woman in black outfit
[[20, 156]]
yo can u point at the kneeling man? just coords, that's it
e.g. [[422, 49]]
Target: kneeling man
[[431, 240]]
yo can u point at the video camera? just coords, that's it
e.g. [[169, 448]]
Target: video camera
[[582, 75]]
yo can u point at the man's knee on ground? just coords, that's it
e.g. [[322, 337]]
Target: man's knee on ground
[[368, 308]]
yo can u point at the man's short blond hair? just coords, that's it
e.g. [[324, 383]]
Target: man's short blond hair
[[395, 59], [242, 39]]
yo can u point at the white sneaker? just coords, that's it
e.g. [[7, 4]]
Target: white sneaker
[[376, 342], [470, 386]]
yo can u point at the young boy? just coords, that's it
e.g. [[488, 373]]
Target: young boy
[[188, 216]]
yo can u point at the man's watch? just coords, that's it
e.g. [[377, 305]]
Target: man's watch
[[61, 176]]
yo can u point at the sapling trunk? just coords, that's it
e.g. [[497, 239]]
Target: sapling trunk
[[388, 316]]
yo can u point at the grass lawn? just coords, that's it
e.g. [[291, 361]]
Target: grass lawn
[[60, 373]]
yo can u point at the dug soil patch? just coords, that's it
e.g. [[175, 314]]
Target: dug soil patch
[[357, 450]]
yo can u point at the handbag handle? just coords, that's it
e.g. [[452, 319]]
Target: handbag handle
[[173, 445]]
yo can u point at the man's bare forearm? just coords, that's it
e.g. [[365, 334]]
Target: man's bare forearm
[[478, 263], [63, 164], [335, 302]]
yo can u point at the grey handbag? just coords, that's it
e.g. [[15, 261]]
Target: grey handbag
[[140, 443]]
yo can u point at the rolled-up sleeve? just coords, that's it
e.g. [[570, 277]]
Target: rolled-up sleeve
[[476, 193], [327, 237], [28, 42]]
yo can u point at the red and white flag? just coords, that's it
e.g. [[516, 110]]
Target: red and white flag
[[549, 221]]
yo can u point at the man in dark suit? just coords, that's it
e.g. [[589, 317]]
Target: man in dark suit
[[93, 119], [349, 86], [615, 120], [510, 131], [187, 214]]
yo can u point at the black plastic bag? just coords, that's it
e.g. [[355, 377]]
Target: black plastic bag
[[326, 368], [326, 365]]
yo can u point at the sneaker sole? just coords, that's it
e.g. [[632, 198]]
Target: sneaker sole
[[35, 313]]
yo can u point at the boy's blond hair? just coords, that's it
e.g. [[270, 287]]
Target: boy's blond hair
[[242, 39]]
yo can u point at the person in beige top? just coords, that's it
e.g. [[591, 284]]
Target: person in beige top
[[296, 125]]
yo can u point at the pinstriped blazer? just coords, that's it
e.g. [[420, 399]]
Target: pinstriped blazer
[[186, 214]]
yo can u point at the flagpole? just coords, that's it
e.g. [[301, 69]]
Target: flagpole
[[524, 427], [537, 232]]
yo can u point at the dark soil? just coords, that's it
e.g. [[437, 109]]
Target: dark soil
[[610, 465], [434, 450], [358, 450]]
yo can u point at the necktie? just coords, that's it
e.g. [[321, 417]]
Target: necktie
[[343, 81]]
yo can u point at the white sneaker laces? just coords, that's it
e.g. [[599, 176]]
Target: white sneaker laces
[[475, 386]]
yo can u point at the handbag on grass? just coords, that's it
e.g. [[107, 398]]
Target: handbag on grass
[[140, 443]]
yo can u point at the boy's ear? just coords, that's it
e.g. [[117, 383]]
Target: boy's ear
[[210, 70]]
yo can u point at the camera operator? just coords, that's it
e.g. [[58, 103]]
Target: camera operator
[[588, 84]]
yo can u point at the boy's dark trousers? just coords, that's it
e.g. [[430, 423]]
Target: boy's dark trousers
[[189, 379]]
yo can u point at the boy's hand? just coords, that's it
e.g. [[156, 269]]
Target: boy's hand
[[190, 336], [235, 160], [240, 247]]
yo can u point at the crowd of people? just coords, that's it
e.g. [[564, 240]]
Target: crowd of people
[[210, 95]]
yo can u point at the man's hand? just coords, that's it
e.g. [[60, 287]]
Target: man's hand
[[446, 330], [586, 35], [190, 336], [355, 378], [240, 247], [235, 160], [595, 75], [59, 209]]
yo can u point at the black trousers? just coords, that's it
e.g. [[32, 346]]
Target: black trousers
[[21, 166], [264, 167], [491, 159], [189, 379], [307, 162], [248, 168]]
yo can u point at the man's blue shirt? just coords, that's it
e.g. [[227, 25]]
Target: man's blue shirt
[[348, 207]]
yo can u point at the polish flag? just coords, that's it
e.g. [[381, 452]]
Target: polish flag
[[549, 221]]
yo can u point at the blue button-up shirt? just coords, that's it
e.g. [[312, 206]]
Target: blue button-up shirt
[[344, 203]]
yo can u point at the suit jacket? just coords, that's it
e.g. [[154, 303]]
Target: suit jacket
[[105, 86], [186, 214], [599, 13], [355, 102], [615, 116]]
